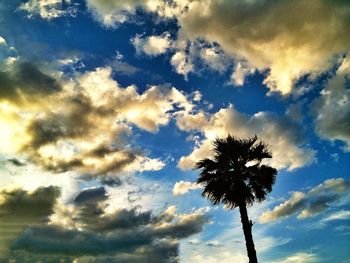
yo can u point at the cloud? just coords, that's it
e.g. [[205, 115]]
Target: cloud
[[128, 235], [215, 58], [284, 136], [87, 125], [246, 34], [25, 79], [182, 187], [260, 37], [213, 243], [310, 203], [200, 54], [29, 177], [240, 72], [300, 257], [20, 208], [3, 41], [16, 162], [20, 204], [182, 63], [48, 9], [94, 195], [188, 122], [110, 13], [339, 215], [137, 192], [120, 66], [332, 109], [113, 13], [152, 45]]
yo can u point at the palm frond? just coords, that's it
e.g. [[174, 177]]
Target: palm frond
[[228, 180]]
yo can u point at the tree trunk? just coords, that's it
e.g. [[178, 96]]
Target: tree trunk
[[247, 229]]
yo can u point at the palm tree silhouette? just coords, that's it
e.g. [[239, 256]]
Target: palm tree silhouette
[[236, 177]]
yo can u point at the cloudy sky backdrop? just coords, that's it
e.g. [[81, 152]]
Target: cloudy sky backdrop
[[105, 106]]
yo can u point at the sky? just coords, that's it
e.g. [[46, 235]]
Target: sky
[[106, 105]]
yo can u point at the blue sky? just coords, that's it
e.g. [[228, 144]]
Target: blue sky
[[106, 105]]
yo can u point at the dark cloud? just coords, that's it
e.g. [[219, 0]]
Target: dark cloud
[[125, 235], [331, 110], [71, 123], [123, 219], [51, 129], [86, 127], [91, 195], [20, 209], [109, 181], [16, 162], [26, 79], [20, 204], [79, 119]]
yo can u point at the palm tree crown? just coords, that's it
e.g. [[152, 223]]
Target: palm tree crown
[[236, 175]]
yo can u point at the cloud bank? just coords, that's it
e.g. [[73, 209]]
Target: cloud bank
[[85, 230], [288, 39], [282, 135], [87, 124]]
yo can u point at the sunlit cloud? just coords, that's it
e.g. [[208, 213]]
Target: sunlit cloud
[[88, 123], [246, 34], [300, 257], [282, 134], [152, 45], [310, 203], [183, 187], [48, 9]]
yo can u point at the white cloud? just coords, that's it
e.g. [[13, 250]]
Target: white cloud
[[148, 110], [282, 135], [215, 58], [197, 95], [138, 192], [2, 41], [29, 177], [300, 257], [332, 109], [182, 63], [152, 45], [48, 9], [188, 122], [310, 203], [110, 13], [225, 256], [182, 187], [339, 215], [113, 12], [213, 243], [240, 72]]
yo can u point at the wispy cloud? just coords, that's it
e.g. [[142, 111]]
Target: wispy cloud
[[182, 187], [310, 203]]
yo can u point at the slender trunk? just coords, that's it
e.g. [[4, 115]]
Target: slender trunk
[[247, 229]]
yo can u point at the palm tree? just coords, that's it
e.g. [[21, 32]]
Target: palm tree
[[236, 177]]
